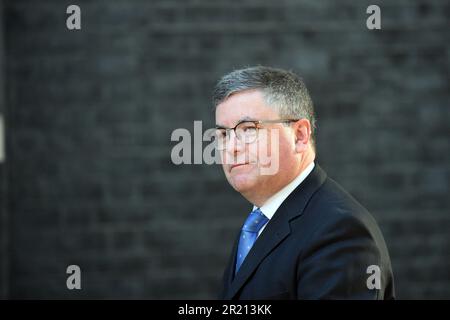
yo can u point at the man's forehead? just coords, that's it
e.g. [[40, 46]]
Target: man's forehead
[[231, 112], [231, 124]]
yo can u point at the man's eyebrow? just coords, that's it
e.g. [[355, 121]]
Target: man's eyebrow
[[246, 118]]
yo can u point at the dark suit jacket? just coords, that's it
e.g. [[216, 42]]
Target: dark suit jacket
[[318, 245]]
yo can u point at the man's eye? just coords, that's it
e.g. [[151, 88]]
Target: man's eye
[[249, 129], [220, 133]]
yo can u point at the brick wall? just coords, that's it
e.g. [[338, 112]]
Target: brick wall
[[4, 253], [90, 113]]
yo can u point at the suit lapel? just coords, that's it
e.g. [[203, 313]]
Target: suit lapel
[[275, 232]]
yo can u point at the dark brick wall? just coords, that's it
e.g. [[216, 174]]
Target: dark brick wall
[[4, 253], [90, 113]]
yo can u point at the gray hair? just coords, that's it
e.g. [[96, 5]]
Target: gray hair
[[281, 89]]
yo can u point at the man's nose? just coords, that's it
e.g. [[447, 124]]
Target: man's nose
[[233, 144]]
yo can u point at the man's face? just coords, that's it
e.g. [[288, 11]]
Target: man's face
[[246, 164]]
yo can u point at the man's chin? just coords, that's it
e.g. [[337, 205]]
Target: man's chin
[[242, 183]]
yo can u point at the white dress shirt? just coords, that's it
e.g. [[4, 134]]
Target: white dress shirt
[[274, 202]]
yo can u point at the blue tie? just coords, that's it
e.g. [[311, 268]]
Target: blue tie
[[255, 221]]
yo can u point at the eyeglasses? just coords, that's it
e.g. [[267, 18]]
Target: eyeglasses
[[246, 131]]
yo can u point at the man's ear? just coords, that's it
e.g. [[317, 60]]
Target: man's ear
[[302, 131]]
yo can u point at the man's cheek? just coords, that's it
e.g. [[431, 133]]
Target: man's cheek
[[269, 152], [227, 159]]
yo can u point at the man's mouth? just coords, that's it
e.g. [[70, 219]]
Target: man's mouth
[[237, 165]]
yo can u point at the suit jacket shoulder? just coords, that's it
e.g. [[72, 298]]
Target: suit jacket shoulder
[[320, 244], [344, 247]]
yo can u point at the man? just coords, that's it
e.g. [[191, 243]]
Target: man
[[306, 237]]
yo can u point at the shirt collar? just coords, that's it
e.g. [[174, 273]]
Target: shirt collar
[[273, 203]]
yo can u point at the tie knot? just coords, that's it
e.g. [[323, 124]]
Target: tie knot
[[255, 221]]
